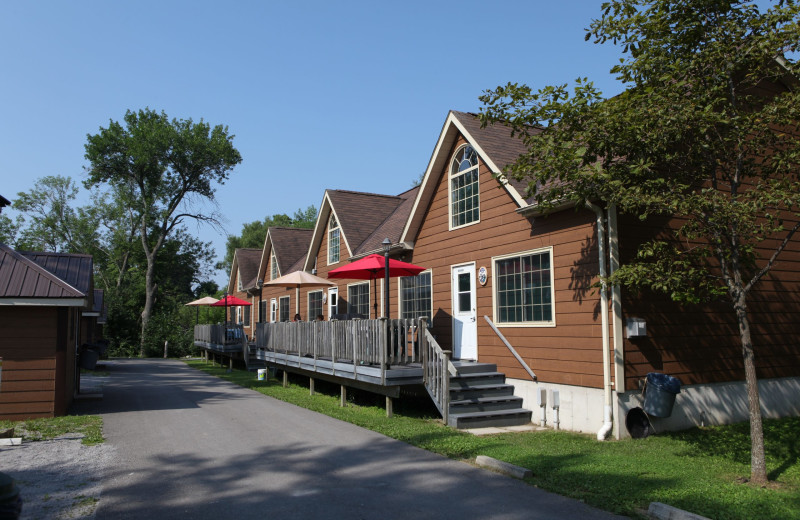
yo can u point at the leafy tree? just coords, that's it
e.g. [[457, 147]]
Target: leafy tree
[[9, 228], [707, 131], [162, 171], [254, 233]]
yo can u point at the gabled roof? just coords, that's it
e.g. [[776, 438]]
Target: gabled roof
[[390, 228], [245, 263], [25, 281], [496, 148], [360, 216], [290, 246]]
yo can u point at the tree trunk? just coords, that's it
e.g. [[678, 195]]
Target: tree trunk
[[150, 293], [758, 465]]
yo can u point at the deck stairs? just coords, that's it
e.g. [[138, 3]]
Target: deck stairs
[[253, 362], [480, 398]]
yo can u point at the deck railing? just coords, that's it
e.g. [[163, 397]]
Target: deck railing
[[436, 371], [371, 342], [219, 334]]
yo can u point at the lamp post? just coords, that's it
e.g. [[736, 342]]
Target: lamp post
[[387, 245]]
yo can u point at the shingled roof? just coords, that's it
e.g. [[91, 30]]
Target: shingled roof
[[360, 214], [497, 142], [391, 227], [245, 262], [290, 246], [22, 278]]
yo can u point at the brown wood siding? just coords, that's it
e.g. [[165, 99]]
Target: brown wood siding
[[570, 352], [700, 343], [28, 349]]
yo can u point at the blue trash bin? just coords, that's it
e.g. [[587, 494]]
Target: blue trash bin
[[660, 392]]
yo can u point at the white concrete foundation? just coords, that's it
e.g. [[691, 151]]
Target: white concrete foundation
[[581, 408], [716, 403]]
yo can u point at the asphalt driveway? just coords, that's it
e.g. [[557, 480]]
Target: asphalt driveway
[[190, 445]]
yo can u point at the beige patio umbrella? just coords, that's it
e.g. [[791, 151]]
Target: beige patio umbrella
[[207, 300], [297, 280]]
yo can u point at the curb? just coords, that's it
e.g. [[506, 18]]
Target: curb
[[659, 511], [503, 467]]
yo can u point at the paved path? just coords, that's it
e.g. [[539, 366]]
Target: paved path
[[192, 446]]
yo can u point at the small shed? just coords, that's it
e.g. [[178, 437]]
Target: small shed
[[42, 297]]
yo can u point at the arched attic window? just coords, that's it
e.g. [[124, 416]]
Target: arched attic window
[[464, 193]]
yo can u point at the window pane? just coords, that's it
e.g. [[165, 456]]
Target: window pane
[[523, 289]]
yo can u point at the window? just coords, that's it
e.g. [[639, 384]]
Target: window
[[358, 299], [273, 311], [333, 240], [314, 305], [524, 288], [246, 316], [273, 262], [238, 281], [464, 199], [415, 297], [284, 308], [262, 311]]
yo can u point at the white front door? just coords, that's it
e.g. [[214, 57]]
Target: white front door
[[333, 301], [465, 323], [273, 310]]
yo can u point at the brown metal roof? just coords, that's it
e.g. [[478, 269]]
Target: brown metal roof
[[22, 277], [74, 269]]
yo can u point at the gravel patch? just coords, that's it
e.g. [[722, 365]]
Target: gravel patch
[[59, 478]]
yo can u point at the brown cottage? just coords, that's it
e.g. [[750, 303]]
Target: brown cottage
[[498, 270], [42, 298]]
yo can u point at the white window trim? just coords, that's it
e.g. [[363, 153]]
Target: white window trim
[[274, 272], [288, 306], [368, 283], [530, 324], [308, 304], [400, 303], [450, 177], [328, 236], [238, 281]]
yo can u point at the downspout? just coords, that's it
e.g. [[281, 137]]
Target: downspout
[[601, 241], [616, 303]]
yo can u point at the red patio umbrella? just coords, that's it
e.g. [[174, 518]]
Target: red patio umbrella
[[232, 301], [373, 267]]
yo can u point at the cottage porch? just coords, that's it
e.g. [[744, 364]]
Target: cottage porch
[[380, 356]]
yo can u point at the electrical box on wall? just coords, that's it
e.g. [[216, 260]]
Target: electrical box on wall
[[635, 328]]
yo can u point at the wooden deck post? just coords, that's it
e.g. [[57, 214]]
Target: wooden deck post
[[230, 363], [343, 396], [310, 386], [389, 411], [285, 378]]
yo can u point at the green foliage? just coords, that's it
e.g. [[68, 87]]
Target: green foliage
[[9, 229], [159, 170], [700, 470], [254, 233], [706, 134], [91, 426]]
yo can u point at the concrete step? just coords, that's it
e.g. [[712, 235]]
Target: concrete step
[[492, 418], [481, 390], [477, 378], [485, 404], [471, 367]]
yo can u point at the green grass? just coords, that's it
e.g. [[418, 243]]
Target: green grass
[[700, 470], [91, 426]]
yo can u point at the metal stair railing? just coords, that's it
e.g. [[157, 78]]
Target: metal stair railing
[[512, 349]]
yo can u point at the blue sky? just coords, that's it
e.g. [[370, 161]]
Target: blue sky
[[343, 95]]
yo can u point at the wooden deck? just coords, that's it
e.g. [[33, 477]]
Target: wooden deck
[[379, 356]]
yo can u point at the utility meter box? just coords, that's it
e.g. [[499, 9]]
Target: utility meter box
[[635, 328]]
